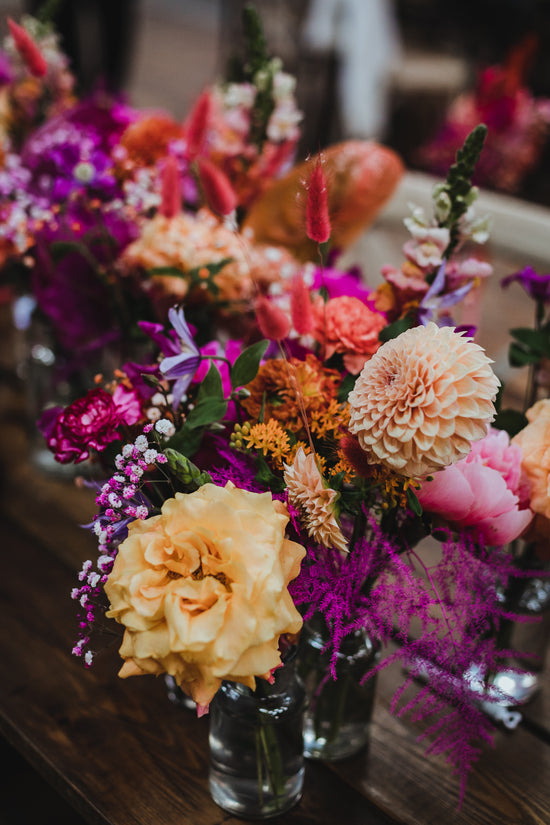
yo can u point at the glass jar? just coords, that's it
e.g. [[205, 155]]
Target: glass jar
[[256, 759], [339, 711], [528, 597]]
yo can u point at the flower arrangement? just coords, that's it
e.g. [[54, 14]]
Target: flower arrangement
[[517, 121], [296, 436], [303, 472]]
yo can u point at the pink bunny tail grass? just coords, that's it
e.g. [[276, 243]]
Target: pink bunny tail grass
[[272, 321], [300, 306], [197, 125], [217, 190], [170, 189], [317, 217], [28, 49]]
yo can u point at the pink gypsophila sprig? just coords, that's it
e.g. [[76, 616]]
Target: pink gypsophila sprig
[[121, 501]]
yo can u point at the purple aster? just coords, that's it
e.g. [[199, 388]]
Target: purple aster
[[536, 286]]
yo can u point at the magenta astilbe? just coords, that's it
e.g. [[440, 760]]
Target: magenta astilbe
[[456, 611], [238, 468]]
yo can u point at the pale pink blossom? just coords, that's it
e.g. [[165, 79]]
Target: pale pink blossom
[[486, 491]]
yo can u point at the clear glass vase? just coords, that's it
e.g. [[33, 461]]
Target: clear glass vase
[[256, 759], [177, 696], [528, 597], [339, 711]]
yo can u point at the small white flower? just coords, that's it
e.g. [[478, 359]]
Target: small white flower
[[153, 414], [104, 563], [127, 450], [150, 456], [141, 443], [93, 579], [142, 512], [165, 427], [75, 593], [88, 657], [84, 600]]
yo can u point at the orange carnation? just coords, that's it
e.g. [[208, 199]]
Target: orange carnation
[[348, 326]]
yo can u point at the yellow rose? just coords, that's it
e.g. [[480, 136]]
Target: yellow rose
[[534, 441], [202, 589]]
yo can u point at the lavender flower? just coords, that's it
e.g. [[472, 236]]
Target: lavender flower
[[182, 356], [434, 301]]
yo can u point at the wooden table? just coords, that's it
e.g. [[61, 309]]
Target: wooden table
[[119, 752]]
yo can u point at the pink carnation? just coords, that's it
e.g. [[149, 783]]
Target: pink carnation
[[486, 491], [90, 423]]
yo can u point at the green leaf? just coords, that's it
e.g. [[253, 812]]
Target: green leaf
[[60, 250], [265, 476], [186, 441], [510, 420], [213, 269], [533, 339], [167, 270], [346, 387], [211, 386], [395, 329], [246, 366], [519, 357], [413, 502], [206, 412]]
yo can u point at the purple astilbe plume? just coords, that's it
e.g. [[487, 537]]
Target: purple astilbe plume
[[237, 468], [391, 592], [456, 648]]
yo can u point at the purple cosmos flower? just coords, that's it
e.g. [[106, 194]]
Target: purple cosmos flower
[[536, 286], [181, 354]]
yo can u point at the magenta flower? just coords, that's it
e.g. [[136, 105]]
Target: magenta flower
[[90, 423], [536, 286], [486, 491], [216, 351]]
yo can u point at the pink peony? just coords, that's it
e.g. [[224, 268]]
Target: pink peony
[[486, 491], [346, 325], [90, 423]]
